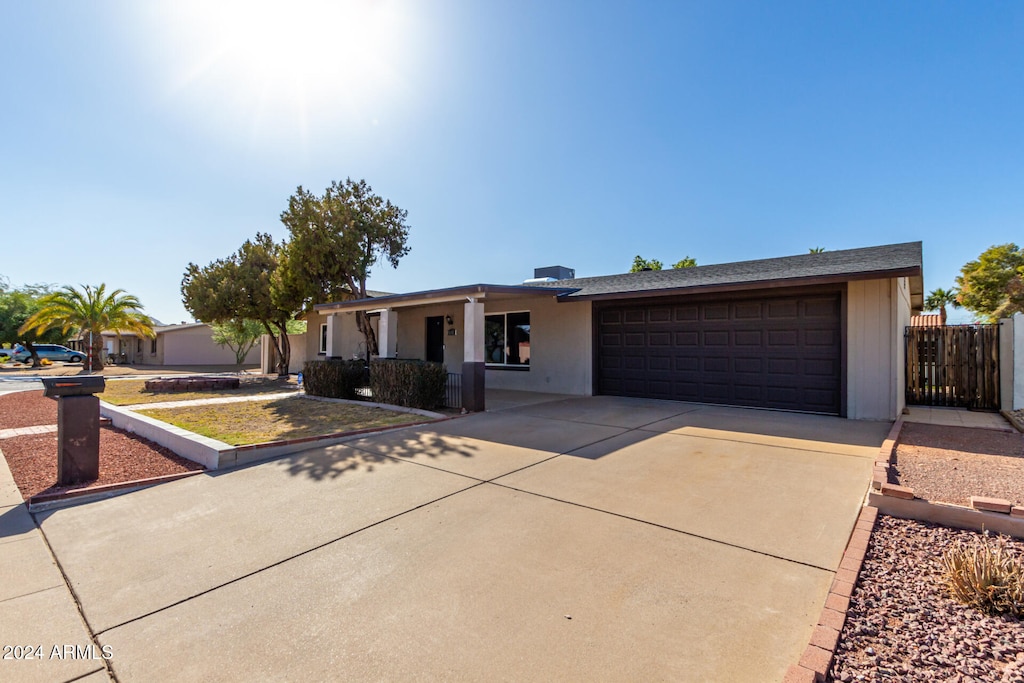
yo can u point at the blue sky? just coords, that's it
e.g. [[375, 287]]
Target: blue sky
[[137, 137]]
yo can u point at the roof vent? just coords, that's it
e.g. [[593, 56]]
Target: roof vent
[[539, 280], [554, 272]]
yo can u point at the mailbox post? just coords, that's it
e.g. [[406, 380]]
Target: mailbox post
[[78, 426]]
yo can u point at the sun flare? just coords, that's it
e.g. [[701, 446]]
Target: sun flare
[[289, 62]]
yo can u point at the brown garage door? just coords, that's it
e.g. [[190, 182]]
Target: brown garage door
[[772, 352]]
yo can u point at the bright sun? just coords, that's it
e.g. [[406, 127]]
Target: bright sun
[[303, 60]]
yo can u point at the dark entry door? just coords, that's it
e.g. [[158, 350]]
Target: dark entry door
[[771, 352], [435, 339]]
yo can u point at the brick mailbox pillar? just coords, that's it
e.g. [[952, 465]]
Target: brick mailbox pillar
[[78, 426]]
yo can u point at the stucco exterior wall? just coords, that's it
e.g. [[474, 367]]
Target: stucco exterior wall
[[412, 333], [561, 348], [1011, 362], [195, 346], [877, 312]]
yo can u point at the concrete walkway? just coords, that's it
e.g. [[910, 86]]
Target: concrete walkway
[[36, 605], [27, 431], [210, 401], [574, 539], [957, 417]]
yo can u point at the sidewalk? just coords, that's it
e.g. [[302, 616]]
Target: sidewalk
[[957, 417], [37, 608]]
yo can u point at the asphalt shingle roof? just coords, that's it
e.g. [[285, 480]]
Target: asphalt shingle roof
[[883, 261]]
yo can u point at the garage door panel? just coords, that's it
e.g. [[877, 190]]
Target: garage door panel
[[748, 337], [780, 351], [716, 311], [784, 338]]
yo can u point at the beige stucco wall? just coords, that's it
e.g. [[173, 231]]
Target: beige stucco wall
[[878, 311], [561, 343], [1011, 362], [195, 346]]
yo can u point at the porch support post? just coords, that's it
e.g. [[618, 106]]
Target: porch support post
[[330, 336], [473, 357], [388, 332]]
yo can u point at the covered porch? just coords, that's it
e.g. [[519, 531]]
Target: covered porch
[[483, 333]]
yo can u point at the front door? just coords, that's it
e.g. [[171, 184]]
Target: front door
[[435, 339]]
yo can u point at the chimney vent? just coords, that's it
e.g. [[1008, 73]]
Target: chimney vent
[[556, 272]]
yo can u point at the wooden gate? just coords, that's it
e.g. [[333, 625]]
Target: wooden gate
[[954, 365]]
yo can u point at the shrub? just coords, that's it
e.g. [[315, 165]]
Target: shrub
[[984, 574], [410, 383], [333, 378]]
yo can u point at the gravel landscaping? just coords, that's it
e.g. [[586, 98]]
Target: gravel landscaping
[[123, 457], [33, 459], [951, 464], [901, 625]]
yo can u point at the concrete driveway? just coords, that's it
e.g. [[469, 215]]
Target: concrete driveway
[[574, 539]]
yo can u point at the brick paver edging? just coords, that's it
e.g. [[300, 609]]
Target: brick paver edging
[[46, 501], [821, 650], [992, 514]]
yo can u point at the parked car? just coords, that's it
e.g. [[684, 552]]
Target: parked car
[[50, 352], [8, 353]]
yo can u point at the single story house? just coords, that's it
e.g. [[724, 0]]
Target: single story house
[[184, 344], [821, 333]]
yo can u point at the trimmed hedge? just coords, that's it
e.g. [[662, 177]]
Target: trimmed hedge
[[334, 378], [409, 383]]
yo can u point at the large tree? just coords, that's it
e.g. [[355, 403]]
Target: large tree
[[335, 241], [993, 284], [641, 264], [245, 285], [89, 313], [16, 307], [239, 335], [938, 299]]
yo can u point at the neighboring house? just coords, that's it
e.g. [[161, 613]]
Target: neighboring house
[[926, 320], [819, 332], [184, 344]]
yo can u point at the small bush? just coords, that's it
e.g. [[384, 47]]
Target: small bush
[[985, 575], [333, 378], [410, 383]]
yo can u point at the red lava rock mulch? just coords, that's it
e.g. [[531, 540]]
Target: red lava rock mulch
[[33, 459], [123, 457], [27, 409], [951, 464], [902, 626]]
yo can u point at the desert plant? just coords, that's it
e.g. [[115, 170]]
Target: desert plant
[[984, 574], [410, 383], [333, 378]]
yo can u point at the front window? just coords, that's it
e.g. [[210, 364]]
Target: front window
[[507, 338], [323, 338]]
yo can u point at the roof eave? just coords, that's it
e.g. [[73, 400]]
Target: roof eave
[[433, 296], [749, 285]]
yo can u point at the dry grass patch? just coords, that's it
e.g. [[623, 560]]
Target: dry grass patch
[[129, 392], [250, 422]]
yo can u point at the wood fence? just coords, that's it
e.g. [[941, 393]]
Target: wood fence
[[954, 365]]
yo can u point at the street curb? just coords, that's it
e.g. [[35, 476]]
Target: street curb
[[52, 501]]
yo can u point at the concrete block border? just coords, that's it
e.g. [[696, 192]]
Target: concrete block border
[[52, 501], [820, 652], [216, 455], [991, 514]]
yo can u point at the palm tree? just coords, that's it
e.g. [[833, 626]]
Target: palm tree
[[939, 299], [90, 312]]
